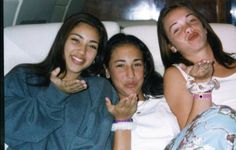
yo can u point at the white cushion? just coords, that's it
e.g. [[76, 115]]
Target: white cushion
[[227, 35], [31, 43]]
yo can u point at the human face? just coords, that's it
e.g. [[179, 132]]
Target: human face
[[80, 49], [126, 69], [185, 31]]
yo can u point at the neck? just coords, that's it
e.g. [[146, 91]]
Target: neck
[[205, 53], [71, 76], [140, 96]]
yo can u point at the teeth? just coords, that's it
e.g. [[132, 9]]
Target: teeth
[[77, 59]]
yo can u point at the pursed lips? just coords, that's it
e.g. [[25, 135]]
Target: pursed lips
[[130, 84], [192, 36]]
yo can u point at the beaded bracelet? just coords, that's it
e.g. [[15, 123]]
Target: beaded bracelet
[[127, 120], [122, 125], [205, 87]]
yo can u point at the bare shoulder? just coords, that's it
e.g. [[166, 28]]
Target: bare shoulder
[[172, 73], [174, 83]]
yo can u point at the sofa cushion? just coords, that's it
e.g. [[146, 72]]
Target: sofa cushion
[[227, 35], [31, 43]]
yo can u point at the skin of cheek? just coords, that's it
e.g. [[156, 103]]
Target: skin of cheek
[[120, 80]]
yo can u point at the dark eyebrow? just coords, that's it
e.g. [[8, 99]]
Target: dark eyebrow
[[93, 41], [119, 60], [138, 59]]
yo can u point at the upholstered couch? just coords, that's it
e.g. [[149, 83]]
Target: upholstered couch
[[31, 43]]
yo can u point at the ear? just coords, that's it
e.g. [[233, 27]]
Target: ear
[[172, 48]]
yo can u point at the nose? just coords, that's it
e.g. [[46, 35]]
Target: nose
[[82, 49], [130, 72], [189, 29]]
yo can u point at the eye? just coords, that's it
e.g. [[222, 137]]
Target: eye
[[120, 65], [95, 47], [175, 30], [192, 19], [138, 64], [74, 40]]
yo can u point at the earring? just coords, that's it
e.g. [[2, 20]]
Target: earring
[[107, 75], [174, 50]]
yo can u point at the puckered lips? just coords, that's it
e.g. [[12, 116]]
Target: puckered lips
[[192, 36], [77, 60], [131, 84]]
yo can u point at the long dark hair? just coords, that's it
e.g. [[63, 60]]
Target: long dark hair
[[153, 82], [55, 57], [169, 58]]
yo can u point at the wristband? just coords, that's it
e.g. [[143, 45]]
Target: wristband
[[122, 125], [202, 96]]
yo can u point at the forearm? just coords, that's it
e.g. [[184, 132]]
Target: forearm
[[122, 140], [202, 97], [201, 102]]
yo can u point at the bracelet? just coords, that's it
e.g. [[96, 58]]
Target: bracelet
[[202, 96], [205, 87], [122, 125], [127, 120]]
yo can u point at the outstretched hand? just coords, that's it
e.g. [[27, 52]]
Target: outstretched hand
[[67, 86], [201, 71], [125, 108]]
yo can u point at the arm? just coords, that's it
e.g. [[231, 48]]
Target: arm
[[200, 87], [122, 140], [182, 102], [124, 110], [31, 113], [177, 96]]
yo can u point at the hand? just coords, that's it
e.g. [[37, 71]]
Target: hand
[[69, 86], [124, 109], [201, 71]]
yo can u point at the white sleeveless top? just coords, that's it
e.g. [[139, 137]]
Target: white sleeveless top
[[155, 125], [226, 94]]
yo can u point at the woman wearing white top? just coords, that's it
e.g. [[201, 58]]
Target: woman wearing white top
[[186, 37], [205, 92], [129, 65]]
